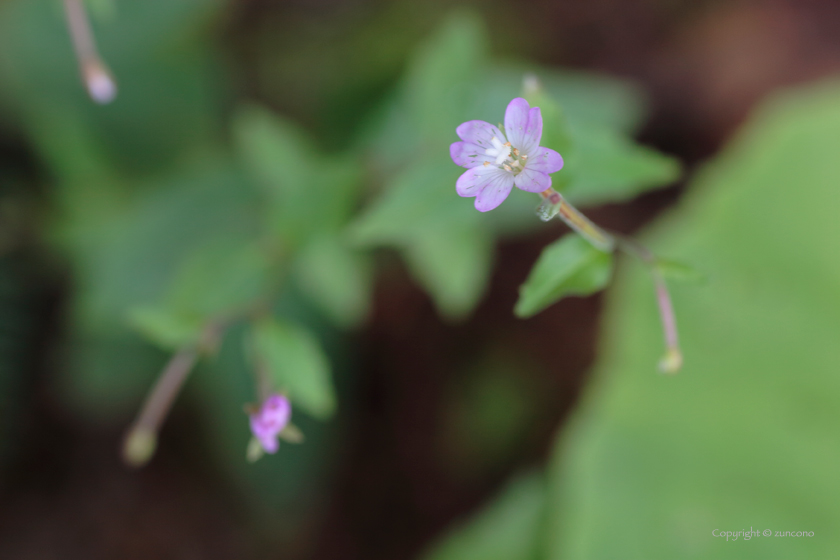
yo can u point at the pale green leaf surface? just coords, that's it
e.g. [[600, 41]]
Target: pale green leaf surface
[[338, 279], [606, 166], [420, 199], [746, 435], [167, 329], [570, 266], [277, 151], [507, 529], [454, 266], [224, 277], [441, 77]]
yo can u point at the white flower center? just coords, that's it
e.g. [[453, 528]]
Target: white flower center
[[499, 151]]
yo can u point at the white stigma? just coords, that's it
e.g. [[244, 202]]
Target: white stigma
[[499, 151]]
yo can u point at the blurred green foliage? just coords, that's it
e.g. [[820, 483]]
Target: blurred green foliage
[[180, 208], [745, 437]]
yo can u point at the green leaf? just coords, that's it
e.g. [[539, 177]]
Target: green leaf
[[166, 328], [607, 166], [275, 150], [746, 435], [223, 277], [442, 75], [507, 529], [307, 191], [297, 364], [568, 267], [130, 258], [336, 278], [454, 266], [420, 199]]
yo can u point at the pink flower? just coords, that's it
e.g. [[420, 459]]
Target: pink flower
[[496, 163], [270, 420]]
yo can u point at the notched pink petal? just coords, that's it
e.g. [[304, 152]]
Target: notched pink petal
[[545, 160], [494, 192], [468, 155], [479, 133], [532, 181], [533, 132], [473, 180], [516, 121]]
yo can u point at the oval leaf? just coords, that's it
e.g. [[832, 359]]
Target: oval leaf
[[567, 267]]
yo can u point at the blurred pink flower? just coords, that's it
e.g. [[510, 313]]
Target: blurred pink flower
[[270, 420]]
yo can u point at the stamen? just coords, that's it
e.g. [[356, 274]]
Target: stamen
[[507, 167]]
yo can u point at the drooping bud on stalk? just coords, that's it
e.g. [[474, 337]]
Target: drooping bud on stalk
[[140, 442], [100, 84], [672, 361], [97, 77], [269, 421]]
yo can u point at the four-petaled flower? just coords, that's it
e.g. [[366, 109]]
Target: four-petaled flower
[[496, 162], [270, 420]]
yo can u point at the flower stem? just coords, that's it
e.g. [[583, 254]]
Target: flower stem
[[555, 205], [95, 73]]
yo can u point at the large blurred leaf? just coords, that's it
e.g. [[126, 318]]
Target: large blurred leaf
[[609, 167], [419, 200], [165, 327], [454, 266], [221, 278], [570, 266], [130, 258], [747, 435], [297, 364], [307, 191], [507, 529], [338, 279], [279, 153], [442, 75]]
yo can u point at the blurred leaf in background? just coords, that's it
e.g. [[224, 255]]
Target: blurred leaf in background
[[507, 529], [161, 221], [746, 436]]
